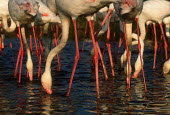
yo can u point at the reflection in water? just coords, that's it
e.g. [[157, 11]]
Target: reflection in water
[[30, 98], [46, 102]]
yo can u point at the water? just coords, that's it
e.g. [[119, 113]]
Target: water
[[30, 98]]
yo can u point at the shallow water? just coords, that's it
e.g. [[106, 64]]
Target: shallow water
[[30, 98]]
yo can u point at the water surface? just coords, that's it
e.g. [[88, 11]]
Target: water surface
[[30, 98]]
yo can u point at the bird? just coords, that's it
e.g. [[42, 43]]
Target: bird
[[45, 15], [23, 12], [5, 19], [66, 12], [52, 20], [156, 11], [52, 6], [166, 67], [138, 65], [127, 14]]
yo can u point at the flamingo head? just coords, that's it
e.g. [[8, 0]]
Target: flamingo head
[[46, 81]]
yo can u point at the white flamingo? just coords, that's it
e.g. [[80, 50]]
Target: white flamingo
[[24, 12], [157, 11], [73, 10], [127, 13]]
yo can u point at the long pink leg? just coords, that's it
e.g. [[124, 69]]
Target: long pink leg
[[102, 61], [95, 57], [100, 54], [120, 42], [156, 45], [30, 42], [39, 65], [103, 22], [17, 62], [38, 53], [35, 40], [75, 59], [20, 51], [21, 59], [165, 42], [109, 48], [140, 53]]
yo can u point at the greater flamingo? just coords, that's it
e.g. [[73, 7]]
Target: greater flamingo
[[127, 14], [45, 15], [5, 17], [154, 10], [73, 10], [23, 12]]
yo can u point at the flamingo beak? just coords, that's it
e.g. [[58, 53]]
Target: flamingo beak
[[48, 90]]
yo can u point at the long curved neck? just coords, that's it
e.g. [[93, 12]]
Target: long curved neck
[[7, 28], [65, 33]]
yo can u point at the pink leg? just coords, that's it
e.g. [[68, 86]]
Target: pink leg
[[102, 61], [139, 48], [21, 59], [165, 42], [17, 62], [120, 42], [39, 65], [35, 40], [75, 59], [156, 45], [109, 48], [103, 22], [30, 42], [20, 51], [95, 58]]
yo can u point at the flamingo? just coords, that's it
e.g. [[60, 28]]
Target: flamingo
[[127, 13], [157, 11], [45, 15], [138, 65], [24, 12], [54, 21], [5, 17], [166, 67], [73, 10]]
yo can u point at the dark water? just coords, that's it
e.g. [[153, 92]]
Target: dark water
[[29, 97]]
